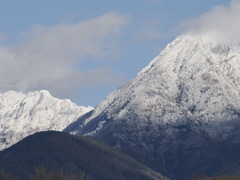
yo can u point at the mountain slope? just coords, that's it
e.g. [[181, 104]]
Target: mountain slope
[[24, 114], [179, 111], [71, 154]]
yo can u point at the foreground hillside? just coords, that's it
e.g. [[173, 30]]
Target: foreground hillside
[[71, 154]]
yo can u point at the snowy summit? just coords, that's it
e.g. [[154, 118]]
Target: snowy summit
[[24, 114], [187, 97], [191, 78]]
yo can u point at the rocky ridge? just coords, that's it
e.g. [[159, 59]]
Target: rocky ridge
[[24, 114]]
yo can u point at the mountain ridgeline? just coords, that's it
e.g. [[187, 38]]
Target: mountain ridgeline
[[180, 115], [24, 114]]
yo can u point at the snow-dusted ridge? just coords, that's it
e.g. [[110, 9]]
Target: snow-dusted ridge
[[24, 114], [192, 78]]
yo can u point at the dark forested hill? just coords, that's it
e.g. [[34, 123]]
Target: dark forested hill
[[72, 154]]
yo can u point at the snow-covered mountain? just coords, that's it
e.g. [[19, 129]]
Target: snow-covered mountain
[[186, 99], [24, 114]]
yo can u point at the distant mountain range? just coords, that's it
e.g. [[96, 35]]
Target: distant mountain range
[[180, 115], [24, 114], [72, 154]]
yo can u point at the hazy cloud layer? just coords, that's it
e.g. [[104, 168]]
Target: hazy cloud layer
[[49, 56], [221, 23]]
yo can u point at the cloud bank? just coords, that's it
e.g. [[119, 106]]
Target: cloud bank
[[221, 23], [51, 57]]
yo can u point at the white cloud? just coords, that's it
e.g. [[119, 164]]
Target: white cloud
[[48, 57], [221, 23]]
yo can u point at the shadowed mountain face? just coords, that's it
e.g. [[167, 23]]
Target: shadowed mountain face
[[181, 113], [72, 154]]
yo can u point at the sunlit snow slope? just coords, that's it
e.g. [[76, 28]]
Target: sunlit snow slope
[[24, 114], [190, 79]]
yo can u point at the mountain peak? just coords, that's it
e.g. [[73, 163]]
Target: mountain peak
[[24, 114], [42, 92], [189, 72], [191, 88]]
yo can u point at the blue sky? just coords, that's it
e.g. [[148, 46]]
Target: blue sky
[[83, 50]]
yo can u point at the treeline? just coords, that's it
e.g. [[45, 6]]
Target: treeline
[[218, 178], [41, 173]]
